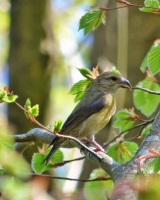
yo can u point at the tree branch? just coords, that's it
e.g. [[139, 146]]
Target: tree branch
[[40, 135], [123, 189]]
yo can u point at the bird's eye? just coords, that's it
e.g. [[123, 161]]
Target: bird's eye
[[113, 78]]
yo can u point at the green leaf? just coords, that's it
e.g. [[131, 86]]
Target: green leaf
[[10, 98], [143, 101], [33, 111], [91, 20], [146, 130], [79, 87], [37, 159], [144, 63], [149, 10], [115, 70], [125, 119], [96, 190], [154, 59], [113, 151], [122, 152], [3, 94], [151, 3], [79, 96], [27, 104], [128, 150], [154, 166], [58, 125], [85, 72]]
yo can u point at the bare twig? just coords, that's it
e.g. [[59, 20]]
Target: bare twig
[[146, 90], [121, 133], [70, 179]]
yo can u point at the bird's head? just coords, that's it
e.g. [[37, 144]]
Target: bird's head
[[111, 82]]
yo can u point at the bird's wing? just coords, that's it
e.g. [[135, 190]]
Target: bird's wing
[[79, 116]]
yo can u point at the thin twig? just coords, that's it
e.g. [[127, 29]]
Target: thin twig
[[146, 90], [70, 179], [121, 133], [68, 161]]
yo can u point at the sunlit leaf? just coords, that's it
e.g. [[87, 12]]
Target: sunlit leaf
[[144, 101], [3, 94], [79, 89], [151, 6], [79, 86], [58, 125], [122, 152], [27, 104], [115, 70], [91, 20], [85, 72], [125, 119], [154, 59], [33, 111], [128, 150], [151, 3], [10, 98], [39, 166]]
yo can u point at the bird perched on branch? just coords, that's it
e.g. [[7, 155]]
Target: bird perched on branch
[[93, 111]]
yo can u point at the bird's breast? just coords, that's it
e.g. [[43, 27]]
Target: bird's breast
[[98, 120]]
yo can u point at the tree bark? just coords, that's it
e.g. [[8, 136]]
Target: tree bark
[[30, 62]]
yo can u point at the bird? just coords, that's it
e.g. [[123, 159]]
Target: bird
[[92, 112]]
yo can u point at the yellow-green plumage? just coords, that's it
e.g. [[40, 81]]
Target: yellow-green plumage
[[93, 111]]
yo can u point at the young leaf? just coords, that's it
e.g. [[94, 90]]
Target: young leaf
[[79, 96], [37, 165], [27, 104], [151, 3], [128, 150], [79, 87], [37, 159], [3, 94], [148, 10], [151, 6], [33, 111], [154, 59], [85, 72], [143, 101], [58, 125], [125, 119], [10, 98], [115, 70], [146, 130], [92, 20], [122, 152]]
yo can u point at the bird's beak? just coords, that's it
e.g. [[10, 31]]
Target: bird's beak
[[125, 84]]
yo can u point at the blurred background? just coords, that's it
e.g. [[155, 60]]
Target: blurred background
[[40, 49]]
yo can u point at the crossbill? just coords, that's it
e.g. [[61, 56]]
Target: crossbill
[[93, 111]]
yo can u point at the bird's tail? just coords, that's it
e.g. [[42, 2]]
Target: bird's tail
[[56, 144]]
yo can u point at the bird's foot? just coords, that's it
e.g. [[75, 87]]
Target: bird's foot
[[96, 145]]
